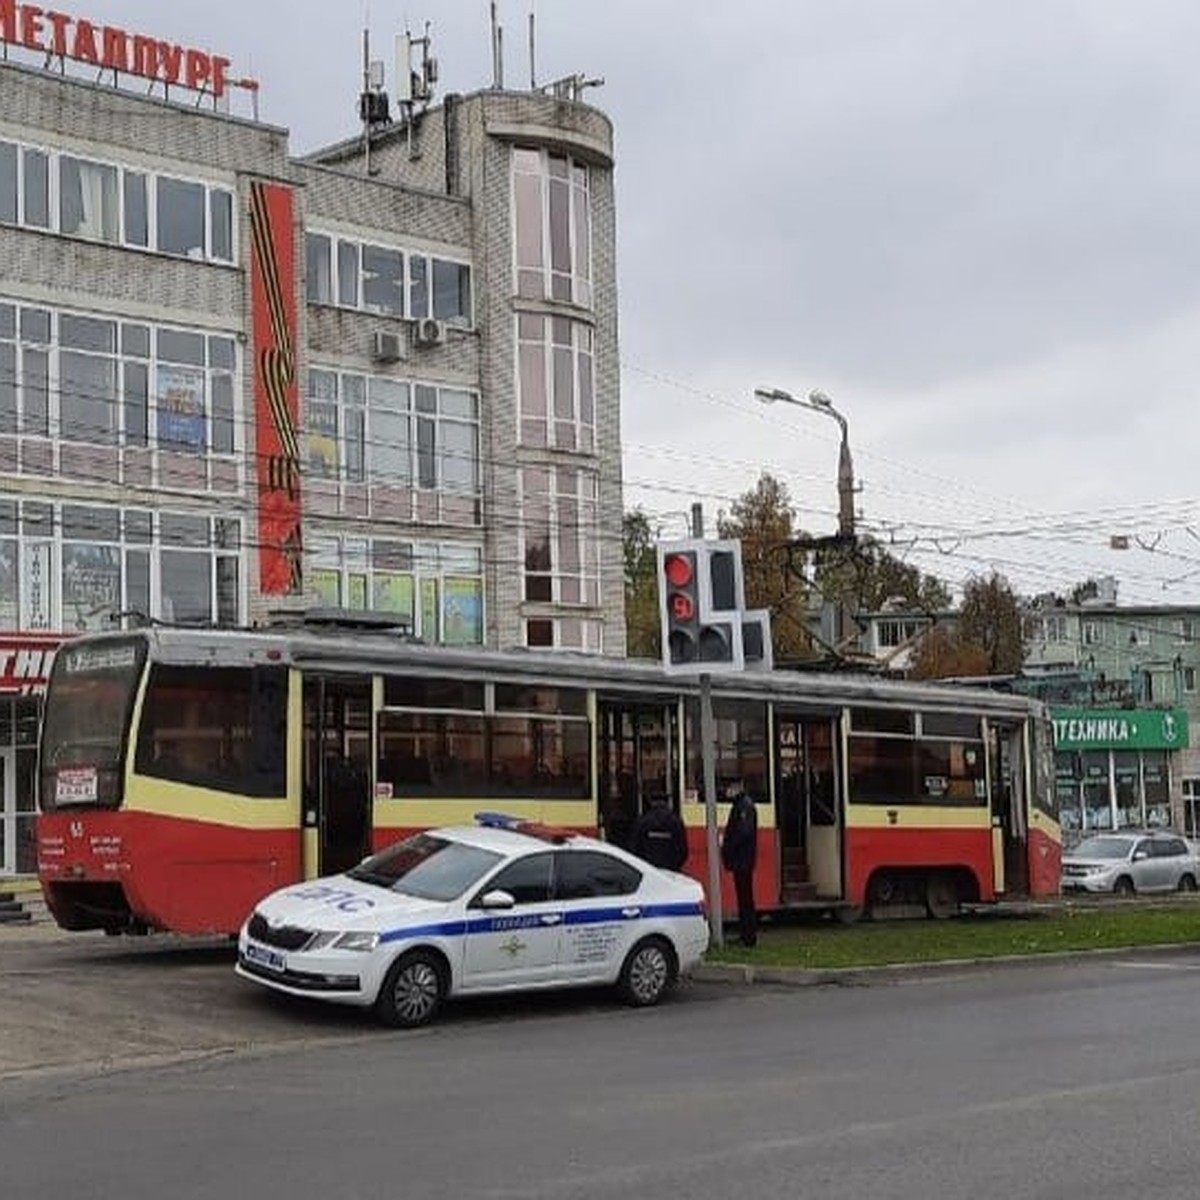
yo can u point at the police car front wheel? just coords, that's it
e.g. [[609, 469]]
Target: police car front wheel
[[648, 973], [413, 990]]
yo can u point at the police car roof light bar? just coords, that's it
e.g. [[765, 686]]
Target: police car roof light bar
[[547, 833]]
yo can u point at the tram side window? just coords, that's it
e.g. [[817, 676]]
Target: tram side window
[[223, 728], [433, 754], [741, 748], [537, 756]]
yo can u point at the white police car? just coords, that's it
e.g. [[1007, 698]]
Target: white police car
[[504, 905]]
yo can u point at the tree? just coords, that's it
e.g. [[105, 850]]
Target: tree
[[763, 520], [986, 639], [642, 632], [867, 576], [991, 619]]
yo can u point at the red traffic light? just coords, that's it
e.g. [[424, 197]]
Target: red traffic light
[[678, 569], [682, 607]]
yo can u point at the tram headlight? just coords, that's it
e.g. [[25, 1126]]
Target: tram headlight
[[364, 942]]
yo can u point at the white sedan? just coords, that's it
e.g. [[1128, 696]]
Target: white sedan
[[504, 905]]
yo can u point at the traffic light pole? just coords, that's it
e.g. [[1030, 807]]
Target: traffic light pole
[[708, 741]]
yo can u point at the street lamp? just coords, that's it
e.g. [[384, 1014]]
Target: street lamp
[[818, 401]]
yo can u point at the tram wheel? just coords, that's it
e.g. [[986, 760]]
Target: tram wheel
[[941, 896]]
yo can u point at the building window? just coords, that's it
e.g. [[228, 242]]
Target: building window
[[392, 432], [105, 202], [385, 279], [560, 534], [565, 633], [1091, 633], [1185, 629], [117, 383], [1188, 677], [78, 567], [557, 383], [894, 633], [435, 589], [552, 206]]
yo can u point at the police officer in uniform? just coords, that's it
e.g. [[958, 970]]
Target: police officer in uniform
[[658, 836]]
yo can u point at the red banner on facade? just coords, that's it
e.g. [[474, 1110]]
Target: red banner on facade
[[25, 660], [276, 397]]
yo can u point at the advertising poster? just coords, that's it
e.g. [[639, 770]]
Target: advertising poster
[[181, 408], [91, 579], [393, 594], [322, 441], [462, 612], [326, 585], [276, 396]]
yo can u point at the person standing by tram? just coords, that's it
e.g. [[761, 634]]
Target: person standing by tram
[[739, 852], [659, 837]]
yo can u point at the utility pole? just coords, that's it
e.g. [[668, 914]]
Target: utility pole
[[708, 745]]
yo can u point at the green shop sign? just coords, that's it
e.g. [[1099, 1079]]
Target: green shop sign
[[1119, 729]]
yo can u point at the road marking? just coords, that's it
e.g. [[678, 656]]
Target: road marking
[[1158, 966]]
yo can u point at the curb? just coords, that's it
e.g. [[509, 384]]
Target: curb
[[749, 974]]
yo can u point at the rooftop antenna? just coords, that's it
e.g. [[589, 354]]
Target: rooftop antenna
[[373, 101], [414, 85], [532, 50], [497, 51]]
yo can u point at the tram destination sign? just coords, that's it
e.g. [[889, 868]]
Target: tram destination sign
[[1120, 729], [58, 35]]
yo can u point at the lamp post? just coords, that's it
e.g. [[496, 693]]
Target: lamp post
[[818, 401]]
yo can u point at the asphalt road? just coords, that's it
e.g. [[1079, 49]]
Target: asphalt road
[[1051, 1080]]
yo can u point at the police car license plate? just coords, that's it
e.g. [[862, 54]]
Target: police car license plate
[[263, 956]]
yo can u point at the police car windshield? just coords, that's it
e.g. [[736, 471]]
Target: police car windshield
[[428, 867]]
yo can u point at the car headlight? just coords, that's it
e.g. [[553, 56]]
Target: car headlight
[[357, 941]]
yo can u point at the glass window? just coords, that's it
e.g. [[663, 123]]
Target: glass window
[[137, 403], [8, 183], [383, 280], [451, 292], [317, 249], [137, 209], [186, 586], [432, 754], [527, 880], [181, 409], [222, 414], [219, 727], [535, 757], [418, 286], [415, 691], [348, 273], [37, 189], [582, 874], [88, 397], [427, 867], [220, 205], [8, 387], [87, 200], [180, 213]]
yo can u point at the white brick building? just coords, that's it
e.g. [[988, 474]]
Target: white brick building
[[234, 381]]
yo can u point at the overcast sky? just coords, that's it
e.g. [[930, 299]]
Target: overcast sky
[[973, 225]]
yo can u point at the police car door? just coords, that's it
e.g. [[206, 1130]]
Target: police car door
[[602, 916], [518, 946]]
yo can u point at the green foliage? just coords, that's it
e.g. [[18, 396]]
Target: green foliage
[[991, 620], [642, 630], [868, 576], [763, 520], [878, 943]]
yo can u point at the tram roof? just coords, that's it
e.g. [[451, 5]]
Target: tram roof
[[340, 651]]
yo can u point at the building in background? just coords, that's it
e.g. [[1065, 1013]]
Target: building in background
[[235, 382]]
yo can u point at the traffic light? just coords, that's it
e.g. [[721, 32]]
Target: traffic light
[[700, 601]]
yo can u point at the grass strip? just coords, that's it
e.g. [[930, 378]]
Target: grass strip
[[828, 945]]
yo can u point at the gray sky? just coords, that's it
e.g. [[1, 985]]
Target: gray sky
[[971, 224]]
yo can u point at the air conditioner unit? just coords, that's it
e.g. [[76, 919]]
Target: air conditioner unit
[[428, 332], [387, 347]]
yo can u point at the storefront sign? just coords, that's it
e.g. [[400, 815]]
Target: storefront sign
[[1120, 729], [58, 35], [276, 395], [25, 661]]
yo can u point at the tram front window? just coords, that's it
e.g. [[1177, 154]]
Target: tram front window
[[88, 706]]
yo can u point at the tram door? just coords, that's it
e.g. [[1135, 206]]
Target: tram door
[[1010, 834], [337, 773], [639, 754], [807, 808]]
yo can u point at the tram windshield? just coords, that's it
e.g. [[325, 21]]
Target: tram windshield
[[88, 705]]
